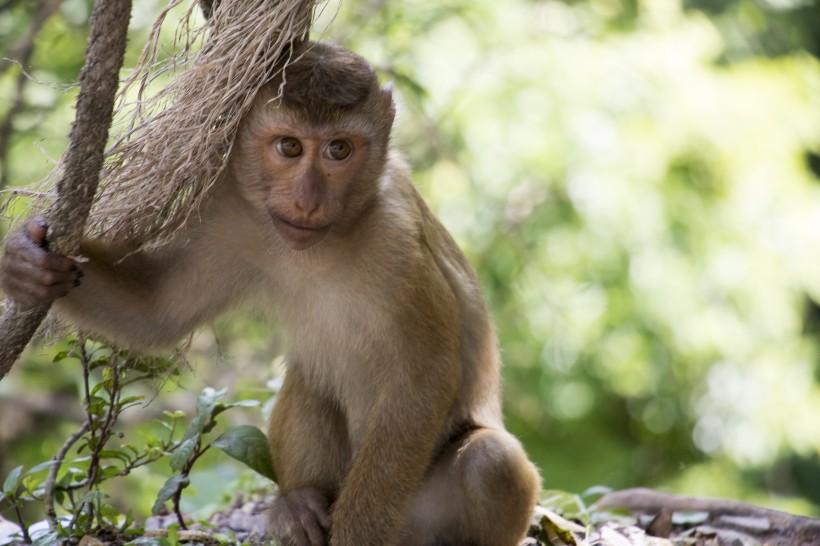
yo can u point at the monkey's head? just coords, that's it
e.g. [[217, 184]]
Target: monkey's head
[[313, 147]]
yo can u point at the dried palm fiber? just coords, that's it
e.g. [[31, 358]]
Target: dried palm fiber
[[176, 143]]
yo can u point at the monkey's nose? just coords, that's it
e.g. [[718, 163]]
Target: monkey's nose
[[308, 194], [306, 204]]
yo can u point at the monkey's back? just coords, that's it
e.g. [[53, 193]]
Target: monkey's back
[[479, 400]]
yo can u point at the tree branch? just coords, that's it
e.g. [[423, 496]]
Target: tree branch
[[83, 160]]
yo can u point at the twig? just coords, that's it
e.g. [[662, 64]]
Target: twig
[[114, 395], [51, 479], [186, 470], [22, 522]]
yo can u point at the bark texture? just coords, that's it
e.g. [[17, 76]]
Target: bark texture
[[82, 161]]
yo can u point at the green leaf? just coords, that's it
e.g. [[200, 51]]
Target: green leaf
[[95, 389], [247, 444], [558, 530], [109, 513], [168, 491], [108, 472], [47, 539], [12, 481], [570, 505], [98, 363], [173, 535], [60, 356], [195, 427], [183, 454], [206, 401], [42, 466], [127, 521], [115, 454], [129, 401]]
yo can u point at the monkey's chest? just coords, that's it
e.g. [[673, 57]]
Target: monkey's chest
[[335, 335]]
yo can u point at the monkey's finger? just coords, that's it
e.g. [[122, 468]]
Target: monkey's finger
[[57, 262], [21, 274], [29, 251], [36, 275], [57, 291], [36, 229], [316, 502], [25, 293], [298, 537], [16, 291], [30, 293], [315, 533], [319, 509]]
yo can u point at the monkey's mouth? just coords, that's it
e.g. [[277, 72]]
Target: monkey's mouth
[[299, 237]]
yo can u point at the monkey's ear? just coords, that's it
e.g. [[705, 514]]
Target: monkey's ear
[[387, 101]]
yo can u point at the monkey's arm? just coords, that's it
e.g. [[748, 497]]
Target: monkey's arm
[[150, 299]]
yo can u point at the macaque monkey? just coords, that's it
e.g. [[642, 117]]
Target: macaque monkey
[[388, 427]]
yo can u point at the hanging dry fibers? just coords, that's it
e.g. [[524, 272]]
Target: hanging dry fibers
[[174, 144]]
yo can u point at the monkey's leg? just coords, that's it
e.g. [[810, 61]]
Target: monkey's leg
[[480, 492], [310, 453]]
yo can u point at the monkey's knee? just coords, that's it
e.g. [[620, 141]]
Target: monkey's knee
[[497, 471], [480, 492]]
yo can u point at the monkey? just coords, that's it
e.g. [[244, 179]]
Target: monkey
[[388, 427]]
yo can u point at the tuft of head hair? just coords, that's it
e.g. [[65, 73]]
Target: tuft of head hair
[[320, 83], [325, 77]]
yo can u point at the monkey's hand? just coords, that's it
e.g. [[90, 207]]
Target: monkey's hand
[[32, 275], [300, 518]]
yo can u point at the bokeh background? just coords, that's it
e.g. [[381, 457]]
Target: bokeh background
[[636, 182]]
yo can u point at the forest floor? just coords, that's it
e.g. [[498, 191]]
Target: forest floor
[[633, 517], [652, 518], [639, 517]]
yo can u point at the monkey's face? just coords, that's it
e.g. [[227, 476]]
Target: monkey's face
[[308, 177]]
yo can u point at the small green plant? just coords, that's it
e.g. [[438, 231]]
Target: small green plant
[[112, 382], [244, 443]]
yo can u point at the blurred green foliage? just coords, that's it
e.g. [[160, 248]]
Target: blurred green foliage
[[636, 183]]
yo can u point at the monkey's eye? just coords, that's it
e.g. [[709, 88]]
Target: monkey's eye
[[289, 146], [338, 149]]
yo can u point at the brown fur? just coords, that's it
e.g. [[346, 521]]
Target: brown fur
[[322, 83], [388, 429]]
